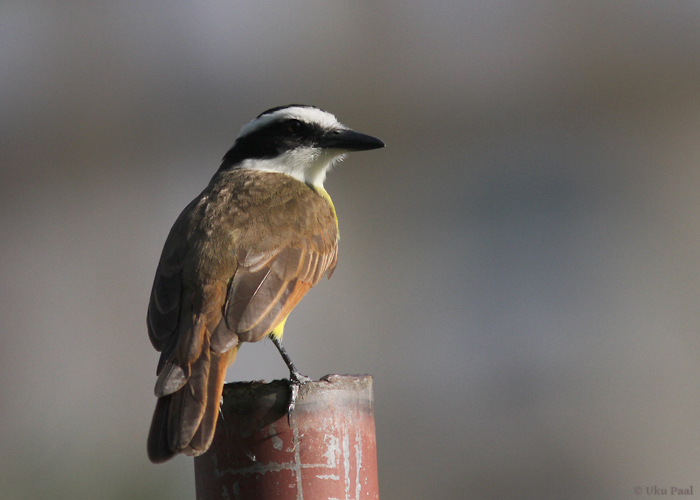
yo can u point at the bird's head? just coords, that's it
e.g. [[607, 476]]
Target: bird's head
[[297, 140]]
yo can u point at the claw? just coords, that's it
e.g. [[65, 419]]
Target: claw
[[296, 380], [293, 393]]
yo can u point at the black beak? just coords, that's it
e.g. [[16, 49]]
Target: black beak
[[349, 140]]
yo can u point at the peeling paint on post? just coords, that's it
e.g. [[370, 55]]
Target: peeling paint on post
[[325, 450]]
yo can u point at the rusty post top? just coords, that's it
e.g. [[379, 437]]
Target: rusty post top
[[246, 396]]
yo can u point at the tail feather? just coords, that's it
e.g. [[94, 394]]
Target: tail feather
[[188, 404], [158, 448], [204, 435], [185, 421]]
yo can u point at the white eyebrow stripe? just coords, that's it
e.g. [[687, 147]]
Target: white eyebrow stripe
[[303, 114]]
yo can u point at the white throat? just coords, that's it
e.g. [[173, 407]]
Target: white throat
[[308, 165]]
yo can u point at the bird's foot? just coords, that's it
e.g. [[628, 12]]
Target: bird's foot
[[296, 380]]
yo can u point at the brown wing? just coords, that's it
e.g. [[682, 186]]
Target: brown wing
[[276, 272], [165, 306], [181, 314], [266, 287]]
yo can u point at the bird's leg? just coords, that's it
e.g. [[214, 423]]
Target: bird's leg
[[296, 379], [295, 376]]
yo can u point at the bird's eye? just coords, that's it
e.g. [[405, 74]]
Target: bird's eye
[[293, 126]]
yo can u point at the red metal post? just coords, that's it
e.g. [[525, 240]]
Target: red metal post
[[326, 449]]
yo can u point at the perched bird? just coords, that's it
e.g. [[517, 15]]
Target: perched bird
[[237, 260]]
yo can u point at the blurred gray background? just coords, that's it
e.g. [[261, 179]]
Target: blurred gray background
[[519, 270]]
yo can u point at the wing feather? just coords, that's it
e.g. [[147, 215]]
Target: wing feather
[[165, 305], [261, 296], [265, 301]]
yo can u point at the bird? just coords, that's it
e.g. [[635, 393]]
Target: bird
[[236, 262]]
